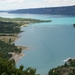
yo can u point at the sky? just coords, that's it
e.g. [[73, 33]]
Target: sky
[[25, 4]]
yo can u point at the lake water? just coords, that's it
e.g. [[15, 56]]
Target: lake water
[[49, 43]]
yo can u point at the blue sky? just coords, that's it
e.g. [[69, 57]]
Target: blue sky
[[22, 4]]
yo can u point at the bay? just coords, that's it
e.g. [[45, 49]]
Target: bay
[[49, 43]]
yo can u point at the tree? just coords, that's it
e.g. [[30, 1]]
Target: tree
[[10, 40], [21, 67]]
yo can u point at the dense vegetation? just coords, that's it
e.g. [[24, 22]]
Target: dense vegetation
[[7, 67], [5, 48], [9, 27], [65, 10], [67, 69]]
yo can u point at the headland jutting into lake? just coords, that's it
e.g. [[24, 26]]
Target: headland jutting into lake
[[9, 30]]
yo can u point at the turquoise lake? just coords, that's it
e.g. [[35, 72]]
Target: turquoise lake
[[49, 43]]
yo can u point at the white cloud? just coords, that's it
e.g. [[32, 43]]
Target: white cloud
[[11, 4], [11, 0], [59, 2], [53, 3], [18, 4]]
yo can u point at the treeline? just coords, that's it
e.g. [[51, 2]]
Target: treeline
[[5, 48], [22, 21], [9, 27]]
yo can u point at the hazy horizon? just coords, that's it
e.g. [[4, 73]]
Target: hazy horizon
[[27, 4]]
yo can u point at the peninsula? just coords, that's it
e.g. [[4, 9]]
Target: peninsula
[[11, 27], [9, 30]]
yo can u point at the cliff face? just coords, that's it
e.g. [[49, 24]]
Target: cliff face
[[66, 10]]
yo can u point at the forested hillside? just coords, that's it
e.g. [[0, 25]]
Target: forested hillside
[[65, 10]]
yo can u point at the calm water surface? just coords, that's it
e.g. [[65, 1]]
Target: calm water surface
[[49, 43]]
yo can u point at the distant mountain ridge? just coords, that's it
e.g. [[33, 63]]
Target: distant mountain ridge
[[2, 11], [65, 10]]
